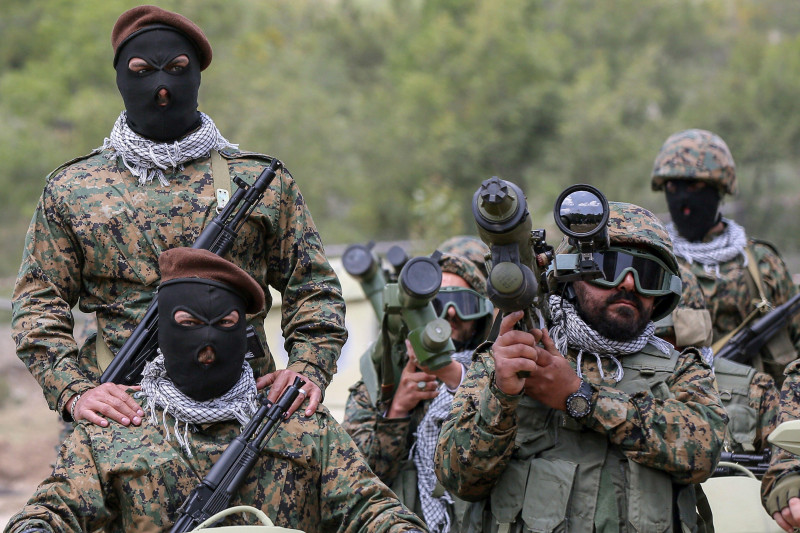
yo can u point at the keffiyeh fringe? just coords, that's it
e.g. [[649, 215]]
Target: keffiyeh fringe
[[239, 403], [147, 159], [724, 247], [569, 330]]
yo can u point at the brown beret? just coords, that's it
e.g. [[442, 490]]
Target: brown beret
[[142, 18], [180, 263]]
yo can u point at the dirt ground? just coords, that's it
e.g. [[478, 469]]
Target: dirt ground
[[28, 431]]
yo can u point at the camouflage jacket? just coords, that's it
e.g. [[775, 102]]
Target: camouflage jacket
[[310, 476], [94, 242], [681, 435], [385, 442], [784, 465], [730, 300]]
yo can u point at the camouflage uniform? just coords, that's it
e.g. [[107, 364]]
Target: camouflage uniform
[[731, 293], [628, 465], [732, 296], [310, 476], [677, 427], [782, 480], [750, 397], [386, 442], [94, 241]]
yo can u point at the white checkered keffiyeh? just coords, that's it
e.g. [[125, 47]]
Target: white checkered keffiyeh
[[239, 403], [435, 510], [569, 329], [147, 159], [724, 247]]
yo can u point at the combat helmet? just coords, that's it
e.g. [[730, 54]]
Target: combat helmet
[[695, 155], [469, 247], [462, 266]]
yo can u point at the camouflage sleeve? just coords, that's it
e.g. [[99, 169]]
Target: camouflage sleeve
[[47, 287], [383, 441], [681, 435], [353, 498], [477, 437], [783, 463], [312, 304], [71, 499], [763, 397]]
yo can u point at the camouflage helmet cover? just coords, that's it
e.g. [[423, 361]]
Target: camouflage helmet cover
[[631, 225], [469, 247], [695, 155], [465, 268]]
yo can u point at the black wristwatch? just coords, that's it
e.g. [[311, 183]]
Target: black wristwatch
[[579, 403]]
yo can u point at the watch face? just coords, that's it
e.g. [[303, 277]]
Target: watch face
[[578, 406], [579, 402]]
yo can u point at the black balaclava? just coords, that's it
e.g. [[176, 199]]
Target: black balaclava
[[158, 47], [694, 213], [209, 301]]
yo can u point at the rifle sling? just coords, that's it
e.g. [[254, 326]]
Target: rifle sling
[[761, 307], [222, 187]]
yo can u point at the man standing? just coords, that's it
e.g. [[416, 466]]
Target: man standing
[[103, 220], [742, 278], [398, 435], [199, 392], [596, 424]]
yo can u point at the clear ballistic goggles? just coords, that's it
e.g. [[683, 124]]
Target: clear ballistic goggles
[[468, 304], [651, 275]]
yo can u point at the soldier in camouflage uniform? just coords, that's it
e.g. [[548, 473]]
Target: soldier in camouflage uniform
[[750, 397], [103, 219], [780, 487], [199, 392], [742, 278], [397, 435], [611, 427]]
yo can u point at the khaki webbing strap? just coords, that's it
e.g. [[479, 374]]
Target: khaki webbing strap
[[222, 179], [763, 304], [102, 351]]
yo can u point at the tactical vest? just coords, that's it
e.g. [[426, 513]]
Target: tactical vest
[[733, 382], [563, 476]]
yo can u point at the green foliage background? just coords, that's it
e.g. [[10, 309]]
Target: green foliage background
[[389, 113]]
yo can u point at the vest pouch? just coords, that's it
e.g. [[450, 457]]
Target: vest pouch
[[550, 482], [647, 491], [742, 421], [780, 352], [687, 507], [405, 485], [659, 389], [508, 493], [534, 436]]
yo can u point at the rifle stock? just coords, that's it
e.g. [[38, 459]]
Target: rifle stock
[[218, 237], [747, 342]]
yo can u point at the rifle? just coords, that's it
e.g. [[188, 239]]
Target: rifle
[[215, 492], [747, 342], [732, 464], [218, 236]]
